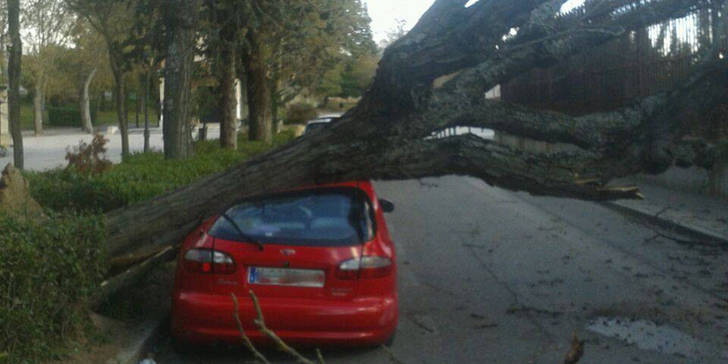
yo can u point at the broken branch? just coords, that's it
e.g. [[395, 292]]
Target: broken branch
[[249, 344]]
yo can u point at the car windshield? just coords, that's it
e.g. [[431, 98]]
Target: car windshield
[[319, 217]]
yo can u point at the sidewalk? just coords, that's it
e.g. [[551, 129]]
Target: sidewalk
[[49, 150], [704, 217]]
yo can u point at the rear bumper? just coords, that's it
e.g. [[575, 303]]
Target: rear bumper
[[208, 318]]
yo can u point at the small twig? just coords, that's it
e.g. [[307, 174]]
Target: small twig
[[260, 357], [319, 356], [260, 322]]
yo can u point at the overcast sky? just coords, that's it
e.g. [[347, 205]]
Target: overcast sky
[[384, 13]]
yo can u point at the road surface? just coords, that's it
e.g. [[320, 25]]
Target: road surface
[[491, 276]]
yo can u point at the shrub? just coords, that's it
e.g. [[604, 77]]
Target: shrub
[[63, 116], [50, 270], [89, 158], [300, 113]]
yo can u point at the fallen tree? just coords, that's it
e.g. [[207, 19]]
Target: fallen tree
[[435, 77]]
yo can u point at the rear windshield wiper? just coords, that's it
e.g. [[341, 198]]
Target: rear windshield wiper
[[243, 235]]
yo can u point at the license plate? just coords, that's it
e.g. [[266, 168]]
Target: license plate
[[286, 277]]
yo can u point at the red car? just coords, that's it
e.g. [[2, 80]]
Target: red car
[[320, 261]]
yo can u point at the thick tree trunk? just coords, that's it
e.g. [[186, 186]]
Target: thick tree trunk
[[181, 20], [259, 113], [38, 106], [435, 78], [14, 82], [226, 81], [86, 122]]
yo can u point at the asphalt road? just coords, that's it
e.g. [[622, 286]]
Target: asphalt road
[[491, 276]]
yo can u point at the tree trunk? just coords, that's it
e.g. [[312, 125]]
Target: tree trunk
[[180, 21], [14, 82], [137, 108], [226, 73], [274, 104], [145, 110], [38, 106], [259, 114], [120, 103], [86, 122]]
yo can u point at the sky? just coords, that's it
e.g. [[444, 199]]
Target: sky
[[385, 13]]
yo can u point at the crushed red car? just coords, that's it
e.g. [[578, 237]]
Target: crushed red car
[[320, 260]]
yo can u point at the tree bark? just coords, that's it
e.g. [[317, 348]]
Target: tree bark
[[38, 105], [226, 81], [259, 99], [180, 21], [86, 122], [14, 82]]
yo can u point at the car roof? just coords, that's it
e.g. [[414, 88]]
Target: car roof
[[323, 119]]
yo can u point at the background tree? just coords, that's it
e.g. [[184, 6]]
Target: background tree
[[320, 53], [114, 21], [87, 64], [48, 24], [14, 68], [222, 29], [180, 19], [288, 45]]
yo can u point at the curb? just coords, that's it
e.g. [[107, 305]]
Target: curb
[[680, 228], [140, 344]]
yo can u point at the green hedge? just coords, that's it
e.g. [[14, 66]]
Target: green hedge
[[141, 177], [66, 116], [48, 273]]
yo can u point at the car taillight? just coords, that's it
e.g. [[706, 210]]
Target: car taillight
[[208, 261], [364, 267]]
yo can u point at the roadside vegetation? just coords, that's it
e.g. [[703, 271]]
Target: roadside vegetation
[[53, 265], [51, 269]]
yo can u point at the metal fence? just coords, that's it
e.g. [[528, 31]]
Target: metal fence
[[618, 73]]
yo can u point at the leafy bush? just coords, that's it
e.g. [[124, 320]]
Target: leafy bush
[[49, 272], [141, 177], [300, 113]]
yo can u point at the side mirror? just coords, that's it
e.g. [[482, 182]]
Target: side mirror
[[386, 205]]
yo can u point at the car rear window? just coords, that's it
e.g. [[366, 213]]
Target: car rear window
[[317, 217]]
